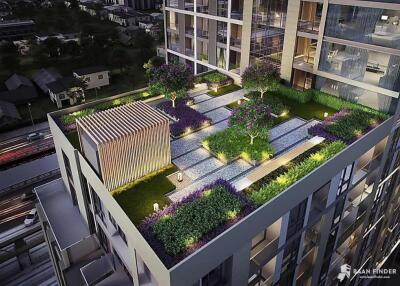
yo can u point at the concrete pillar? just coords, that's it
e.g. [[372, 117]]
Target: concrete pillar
[[289, 44], [240, 266], [320, 35], [246, 35], [281, 242], [212, 42]]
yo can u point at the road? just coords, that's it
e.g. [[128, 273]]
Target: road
[[13, 209], [18, 148]]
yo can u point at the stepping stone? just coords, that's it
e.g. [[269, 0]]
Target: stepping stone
[[208, 166], [191, 158], [219, 114]]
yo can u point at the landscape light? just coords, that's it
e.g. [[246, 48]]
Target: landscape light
[[326, 114], [156, 207]]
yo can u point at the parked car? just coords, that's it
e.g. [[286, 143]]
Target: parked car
[[28, 196], [34, 136], [31, 217]]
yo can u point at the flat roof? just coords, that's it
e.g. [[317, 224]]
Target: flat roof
[[63, 217], [114, 123]]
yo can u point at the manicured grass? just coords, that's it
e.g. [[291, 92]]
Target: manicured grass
[[230, 144], [307, 110], [137, 198], [233, 105], [224, 90]]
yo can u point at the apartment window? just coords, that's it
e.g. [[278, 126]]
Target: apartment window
[[100, 76], [358, 64], [98, 207], [310, 16], [103, 240], [112, 220], [215, 277], [366, 25]]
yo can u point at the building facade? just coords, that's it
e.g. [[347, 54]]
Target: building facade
[[346, 48], [346, 212]]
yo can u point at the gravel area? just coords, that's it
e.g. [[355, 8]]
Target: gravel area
[[193, 141], [191, 158], [228, 172], [201, 98], [218, 101], [197, 171], [219, 114], [285, 127], [291, 138]]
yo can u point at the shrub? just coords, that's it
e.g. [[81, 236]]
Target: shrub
[[187, 119], [291, 93], [278, 185], [339, 103], [215, 77], [72, 117], [230, 144], [273, 102], [183, 227]]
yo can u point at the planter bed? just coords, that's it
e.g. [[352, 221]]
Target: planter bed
[[229, 145], [347, 125], [187, 120], [183, 227], [277, 185], [216, 80]]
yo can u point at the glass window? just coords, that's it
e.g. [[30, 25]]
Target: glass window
[[310, 17], [366, 25], [362, 65]]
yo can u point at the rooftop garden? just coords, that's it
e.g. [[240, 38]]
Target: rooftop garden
[[137, 198], [183, 227], [247, 136]]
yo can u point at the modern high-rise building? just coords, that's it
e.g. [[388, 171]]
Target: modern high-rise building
[[339, 220]]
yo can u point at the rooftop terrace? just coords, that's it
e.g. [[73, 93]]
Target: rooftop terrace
[[306, 133]]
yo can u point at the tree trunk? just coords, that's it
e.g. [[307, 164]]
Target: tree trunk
[[262, 94], [251, 140], [173, 98]]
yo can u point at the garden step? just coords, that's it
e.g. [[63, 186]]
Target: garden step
[[218, 114], [204, 168], [285, 127], [201, 98], [192, 141], [219, 101], [295, 136], [226, 172], [191, 158]]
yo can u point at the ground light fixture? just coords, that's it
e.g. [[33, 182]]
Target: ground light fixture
[[156, 207]]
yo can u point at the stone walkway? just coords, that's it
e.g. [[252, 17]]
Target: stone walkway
[[200, 167]]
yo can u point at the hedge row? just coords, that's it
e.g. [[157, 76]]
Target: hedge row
[[278, 185], [324, 99]]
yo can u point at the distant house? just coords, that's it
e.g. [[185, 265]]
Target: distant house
[[94, 76], [45, 76], [157, 17], [22, 46], [8, 113], [20, 90], [127, 18], [64, 38], [66, 91]]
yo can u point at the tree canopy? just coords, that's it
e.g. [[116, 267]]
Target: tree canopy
[[261, 77], [253, 118], [173, 80]]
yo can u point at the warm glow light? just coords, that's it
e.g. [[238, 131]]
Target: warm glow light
[[205, 123], [205, 145], [239, 102], [284, 113], [189, 241], [317, 157], [156, 207], [231, 214], [221, 156], [188, 130], [281, 180], [326, 114], [206, 193], [358, 132]]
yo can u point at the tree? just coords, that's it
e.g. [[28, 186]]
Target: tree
[[172, 80], [76, 89], [152, 63], [52, 46], [261, 77], [253, 119]]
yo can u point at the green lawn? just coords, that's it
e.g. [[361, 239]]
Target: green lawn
[[307, 110], [137, 198], [224, 90]]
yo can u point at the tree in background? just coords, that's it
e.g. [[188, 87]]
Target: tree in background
[[172, 80], [120, 58], [152, 63], [262, 77], [53, 47], [253, 119]]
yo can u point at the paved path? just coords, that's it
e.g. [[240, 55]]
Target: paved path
[[219, 101]]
